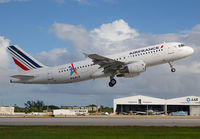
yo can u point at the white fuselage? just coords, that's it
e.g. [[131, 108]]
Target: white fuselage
[[86, 70]]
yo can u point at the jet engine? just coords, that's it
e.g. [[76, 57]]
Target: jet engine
[[134, 68]]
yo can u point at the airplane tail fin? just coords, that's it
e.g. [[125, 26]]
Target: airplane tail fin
[[23, 60]]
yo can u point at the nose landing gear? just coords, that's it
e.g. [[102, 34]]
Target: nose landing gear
[[171, 66], [112, 82]]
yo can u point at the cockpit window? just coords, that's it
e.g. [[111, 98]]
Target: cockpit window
[[181, 45]]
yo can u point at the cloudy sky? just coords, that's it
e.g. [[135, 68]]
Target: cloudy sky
[[59, 31]]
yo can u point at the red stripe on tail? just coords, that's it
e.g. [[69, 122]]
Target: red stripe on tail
[[20, 64]]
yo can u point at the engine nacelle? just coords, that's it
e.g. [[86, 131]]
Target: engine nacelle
[[135, 67]]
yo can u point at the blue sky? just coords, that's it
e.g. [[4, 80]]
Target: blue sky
[[59, 31], [27, 23]]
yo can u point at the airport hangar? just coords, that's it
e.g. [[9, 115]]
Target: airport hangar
[[139, 103]]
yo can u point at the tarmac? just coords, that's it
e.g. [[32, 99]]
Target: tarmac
[[98, 121]]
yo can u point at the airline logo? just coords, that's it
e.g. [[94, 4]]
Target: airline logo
[[73, 70], [146, 50], [22, 60]]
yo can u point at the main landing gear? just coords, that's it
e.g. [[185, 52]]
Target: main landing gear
[[112, 82], [172, 68]]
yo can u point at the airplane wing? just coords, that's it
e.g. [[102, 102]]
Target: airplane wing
[[109, 65], [22, 77]]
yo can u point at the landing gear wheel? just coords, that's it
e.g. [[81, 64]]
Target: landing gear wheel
[[112, 82], [173, 70], [171, 66]]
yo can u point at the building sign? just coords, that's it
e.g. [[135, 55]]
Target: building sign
[[191, 99]]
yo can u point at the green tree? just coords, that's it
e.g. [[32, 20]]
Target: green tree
[[64, 107], [106, 109], [19, 109], [34, 106]]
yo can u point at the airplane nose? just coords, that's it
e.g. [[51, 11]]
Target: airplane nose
[[190, 50]]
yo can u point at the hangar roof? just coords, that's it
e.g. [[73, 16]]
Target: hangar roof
[[187, 100], [139, 99]]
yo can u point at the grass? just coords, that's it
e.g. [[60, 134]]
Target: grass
[[97, 132]]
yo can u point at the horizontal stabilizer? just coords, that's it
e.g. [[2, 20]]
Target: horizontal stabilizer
[[22, 77]]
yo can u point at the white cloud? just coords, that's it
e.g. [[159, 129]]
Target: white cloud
[[116, 31], [108, 38], [53, 57], [4, 59]]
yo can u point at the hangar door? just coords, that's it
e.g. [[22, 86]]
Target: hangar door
[[176, 108], [195, 110]]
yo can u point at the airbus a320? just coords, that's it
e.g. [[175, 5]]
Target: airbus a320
[[126, 64]]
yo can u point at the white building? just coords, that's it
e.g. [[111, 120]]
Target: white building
[[189, 104], [6, 110], [70, 112], [63, 112]]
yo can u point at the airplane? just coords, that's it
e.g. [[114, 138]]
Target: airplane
[[126, 64]]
